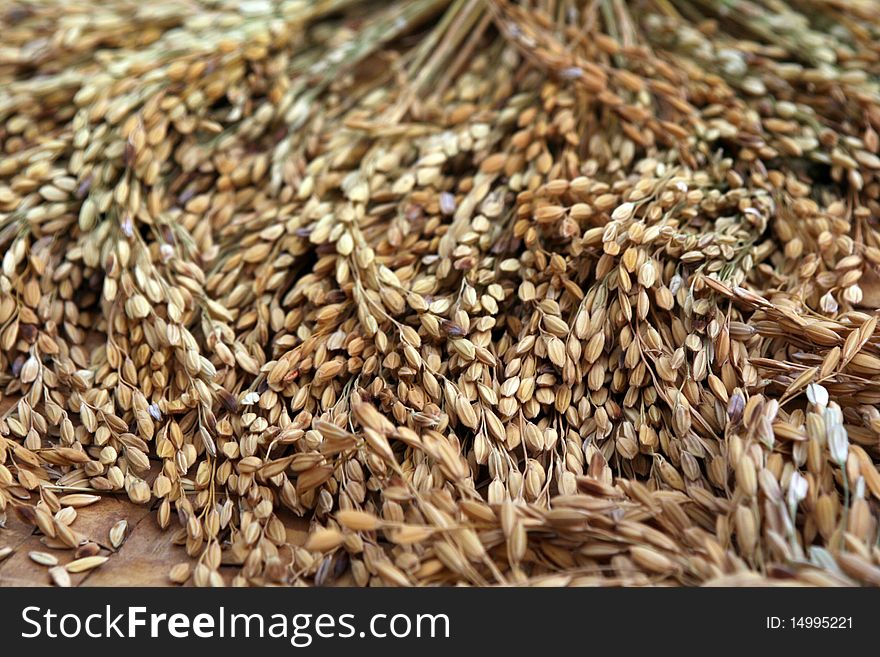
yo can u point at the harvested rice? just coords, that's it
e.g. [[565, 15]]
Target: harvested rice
[[558, 292]]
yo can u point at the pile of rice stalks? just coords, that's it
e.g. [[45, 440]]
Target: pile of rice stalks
[[560, 292]]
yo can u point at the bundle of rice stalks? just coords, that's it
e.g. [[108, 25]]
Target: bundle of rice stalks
[[560, 292]]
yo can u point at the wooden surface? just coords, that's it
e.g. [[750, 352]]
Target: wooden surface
[[144, 559]]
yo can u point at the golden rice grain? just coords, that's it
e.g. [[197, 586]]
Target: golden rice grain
[[544, 307]]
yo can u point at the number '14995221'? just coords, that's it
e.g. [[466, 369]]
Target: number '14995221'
[[809, 623]]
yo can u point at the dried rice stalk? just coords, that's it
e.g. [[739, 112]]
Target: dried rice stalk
[[566, 294]]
